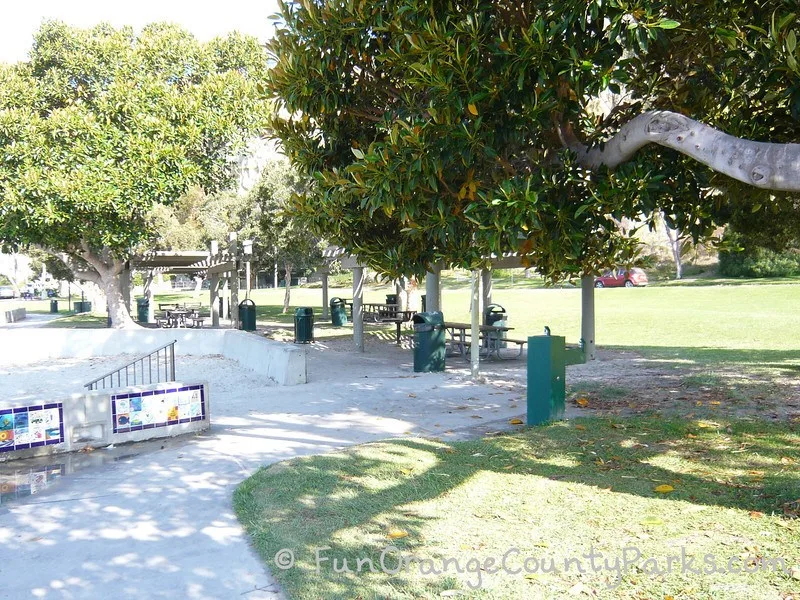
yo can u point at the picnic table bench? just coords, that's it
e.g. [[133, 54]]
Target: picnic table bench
[[175, 314], [489, 338], [387, 313]]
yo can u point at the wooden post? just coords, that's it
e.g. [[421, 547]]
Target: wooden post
[[325, 313], [587, 315], [358, 308], [475, 330], [433, 291], [148, 294], [233, 249], [213, 251], [214, 299], [486, 281]]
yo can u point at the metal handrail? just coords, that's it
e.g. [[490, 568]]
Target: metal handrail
[[138, 378]]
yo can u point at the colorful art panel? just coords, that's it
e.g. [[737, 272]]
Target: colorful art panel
[[157, 408], [31, 426]]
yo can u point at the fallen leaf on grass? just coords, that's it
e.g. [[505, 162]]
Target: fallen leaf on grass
[[652, 521], [396, 534], [754, 514], [715, 402], [582, 402], [691, 436], [516, 421], [580, 427], [663, 489], [580, 588], [786, 460]]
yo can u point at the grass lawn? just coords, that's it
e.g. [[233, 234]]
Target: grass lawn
[[577, 490], [746, 319], [745, 324], [79, 321]]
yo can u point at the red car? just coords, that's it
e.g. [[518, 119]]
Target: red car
[[630, 278]]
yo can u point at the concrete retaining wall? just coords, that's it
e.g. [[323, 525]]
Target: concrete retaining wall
[[36, 428], [12, 316], [284, 363]]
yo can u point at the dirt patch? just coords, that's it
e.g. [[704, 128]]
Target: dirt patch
[[625, 382]]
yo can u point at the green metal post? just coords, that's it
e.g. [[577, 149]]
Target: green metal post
[[546, 379]]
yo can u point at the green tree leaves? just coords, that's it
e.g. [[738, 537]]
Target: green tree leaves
[[101, 124]]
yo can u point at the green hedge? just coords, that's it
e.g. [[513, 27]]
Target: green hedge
[[756, 261]]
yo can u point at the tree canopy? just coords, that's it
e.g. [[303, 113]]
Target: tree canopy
[[446, 131], [282, 237], [101, 124]]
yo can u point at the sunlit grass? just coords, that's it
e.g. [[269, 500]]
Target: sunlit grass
[[556, 492]]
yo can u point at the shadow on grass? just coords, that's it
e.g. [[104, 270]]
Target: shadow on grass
[[777, 359], [313, 502]]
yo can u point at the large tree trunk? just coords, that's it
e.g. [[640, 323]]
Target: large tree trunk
[[675, 247], [287, 294], [120, 317], [761, 164], [102, 269]]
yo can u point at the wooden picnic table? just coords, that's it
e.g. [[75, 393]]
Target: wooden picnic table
[[387, 313], [490, 336], [177, 316]]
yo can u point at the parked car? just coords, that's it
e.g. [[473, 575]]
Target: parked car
[[631, 278], [6, 291]]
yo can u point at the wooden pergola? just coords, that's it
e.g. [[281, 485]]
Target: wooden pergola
[[220, 267], [481, 296]]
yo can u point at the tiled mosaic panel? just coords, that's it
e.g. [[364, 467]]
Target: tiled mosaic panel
[[31, 426], [157, 408]]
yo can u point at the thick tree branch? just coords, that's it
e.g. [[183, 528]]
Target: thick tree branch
[[79, 273], [763, 165]]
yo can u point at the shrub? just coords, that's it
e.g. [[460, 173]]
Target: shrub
[[742, 260]]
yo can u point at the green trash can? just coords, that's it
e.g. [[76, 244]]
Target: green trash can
[[338, 312], [247, 315], [53, 306], [82, 306], [494, 314], [429, 342], [304, 325], [142, 309]]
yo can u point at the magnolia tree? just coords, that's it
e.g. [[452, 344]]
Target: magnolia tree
[[99, 125], [445, 131]]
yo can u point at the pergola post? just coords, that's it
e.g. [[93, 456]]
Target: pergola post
[[358, 308], [325, 313], [213, 250], [475, 330], [433, 290], [402, 298], [148, 294], [233, 279], [486, 282], [587, 315]]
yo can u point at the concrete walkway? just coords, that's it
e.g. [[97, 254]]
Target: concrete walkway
[[32, 320], [160, 524]]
